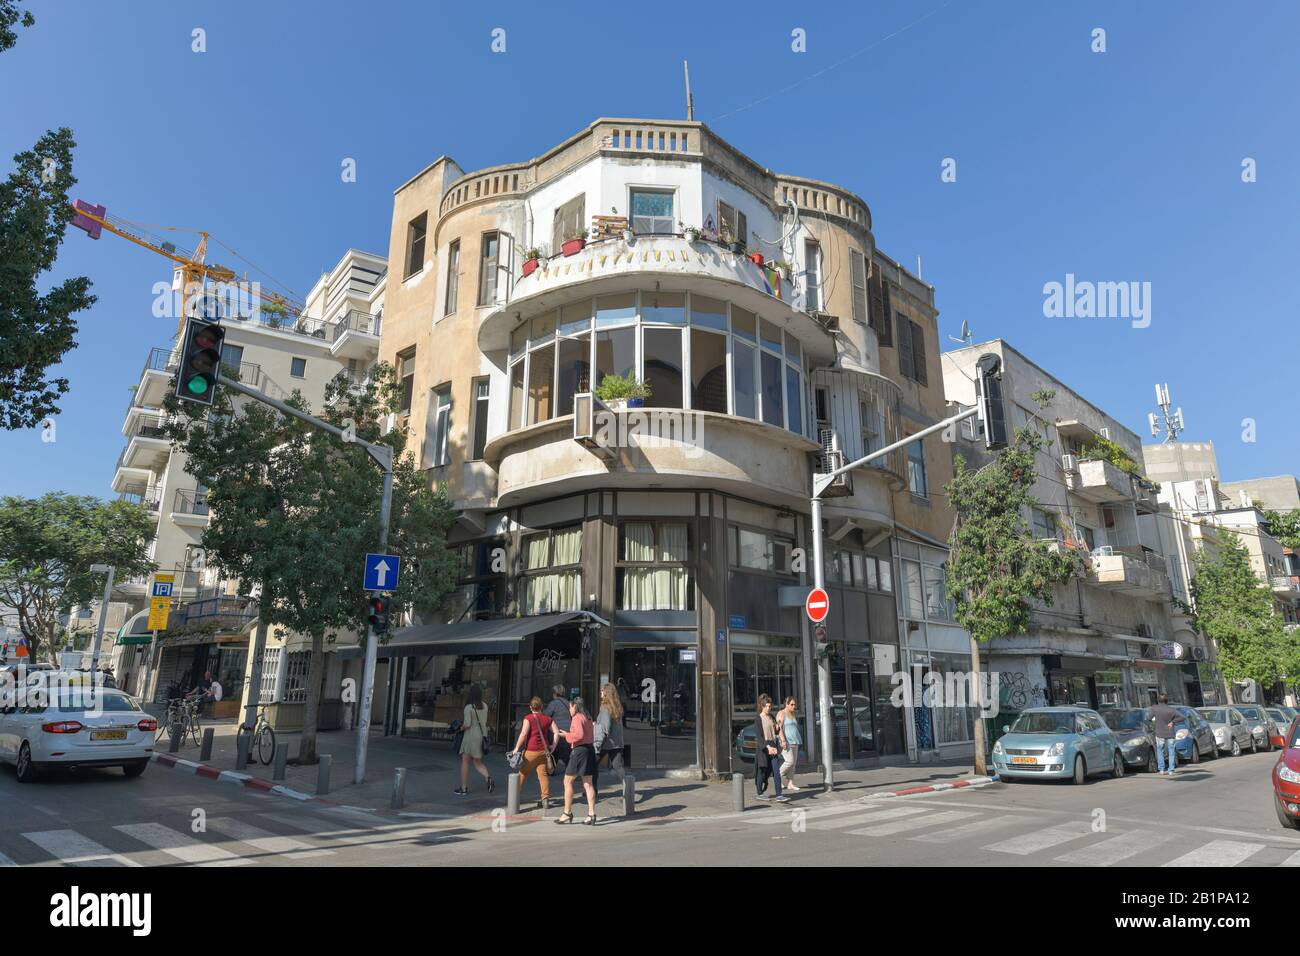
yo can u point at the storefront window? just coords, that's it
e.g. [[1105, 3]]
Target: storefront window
[[436, 690]]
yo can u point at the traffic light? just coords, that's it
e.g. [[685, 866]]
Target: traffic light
[[196, 379], [379, 614], [988, 391]]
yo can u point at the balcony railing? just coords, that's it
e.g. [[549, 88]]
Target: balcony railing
[[141, 495], [161, 360], [149, 427], [224, 611], [354, 321], [190, 502]]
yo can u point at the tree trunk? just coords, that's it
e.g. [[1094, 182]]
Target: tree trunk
[[311, 708], [981, 763]]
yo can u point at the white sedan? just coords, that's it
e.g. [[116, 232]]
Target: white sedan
[[105, 730]]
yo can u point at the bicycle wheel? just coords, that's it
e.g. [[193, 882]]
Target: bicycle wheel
[[266, 744], [196, 729]]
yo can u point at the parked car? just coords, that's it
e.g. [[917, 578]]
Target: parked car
[[1137, 740], [1261, 724], [1281, 721], [1196, 739], [76, 729], [1231, 732], [1286, 780], [1063, 743]]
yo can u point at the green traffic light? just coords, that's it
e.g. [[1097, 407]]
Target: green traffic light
[[198, 385]]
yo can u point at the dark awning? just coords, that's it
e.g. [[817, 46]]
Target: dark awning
[[136, 629], [496, 636]]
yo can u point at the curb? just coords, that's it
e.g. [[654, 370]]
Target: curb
[[973, 783], [209, 772]]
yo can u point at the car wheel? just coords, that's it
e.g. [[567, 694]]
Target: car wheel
[[135, 769], [1080, 771], [1290, 822], [1254, 744], [1236, 747], [1152, 766], [1196, 753], [24, 769], [1117, 768], [1214, 751]]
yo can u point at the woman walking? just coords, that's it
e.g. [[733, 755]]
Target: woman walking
[[536, 732], [474, 733], [608, 740], [791, 740], [582, 760], [558, 710], [767, 752]]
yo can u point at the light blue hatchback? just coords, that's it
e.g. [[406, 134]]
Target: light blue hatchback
[[1058, 743]]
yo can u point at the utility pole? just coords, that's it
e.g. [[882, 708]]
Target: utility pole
[[383, 457], [107, 569]]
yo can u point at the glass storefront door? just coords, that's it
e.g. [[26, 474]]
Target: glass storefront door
[[658, 688]]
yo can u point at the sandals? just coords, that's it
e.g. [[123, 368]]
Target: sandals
[[590, 821], [491, 785], [565, 817], [463, 791]]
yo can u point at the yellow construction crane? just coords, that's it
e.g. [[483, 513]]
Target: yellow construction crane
[[195, 271]]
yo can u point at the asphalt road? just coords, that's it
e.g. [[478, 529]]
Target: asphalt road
[[1216, 814]]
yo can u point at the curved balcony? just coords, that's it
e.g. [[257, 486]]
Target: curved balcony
[[654, 448], [652, 263]]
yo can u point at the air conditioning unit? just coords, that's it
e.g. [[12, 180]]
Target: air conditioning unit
[[831, 323], [1198, 654], [588, 412], [832, 457], [1105, 432], [1069, 463], [390, 422]]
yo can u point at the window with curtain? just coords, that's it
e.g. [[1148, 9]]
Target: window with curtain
[[937, 605], [913, 593], [646, 581], [560, 587]]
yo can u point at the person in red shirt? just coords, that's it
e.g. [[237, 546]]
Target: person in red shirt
[[582, 762], [534, 737]]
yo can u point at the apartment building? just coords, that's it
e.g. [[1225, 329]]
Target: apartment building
[[1110, 637], [662, 549], [277, 353]]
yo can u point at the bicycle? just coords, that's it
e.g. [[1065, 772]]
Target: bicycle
[[263, 740], [183, 712]]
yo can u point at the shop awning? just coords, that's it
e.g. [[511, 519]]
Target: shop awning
[[497, 636], [136, 629]]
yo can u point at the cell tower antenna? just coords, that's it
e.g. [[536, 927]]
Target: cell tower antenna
[[690, 100], [1173, 418]]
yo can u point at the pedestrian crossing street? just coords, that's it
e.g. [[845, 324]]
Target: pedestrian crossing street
[[1009, 838], [270, 838]]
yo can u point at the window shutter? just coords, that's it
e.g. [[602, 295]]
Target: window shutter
[[918, 354], [886, 314], [859, 269], [905, 367]]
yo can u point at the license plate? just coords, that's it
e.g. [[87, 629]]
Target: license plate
[[1023, 760], [108, 735]]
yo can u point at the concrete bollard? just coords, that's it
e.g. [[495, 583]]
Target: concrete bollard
[[629, 794], [242, 740], [323, 774], [205, 748], [281, 758], [399, 789], [512, 795], [738, 792], [174, 738]]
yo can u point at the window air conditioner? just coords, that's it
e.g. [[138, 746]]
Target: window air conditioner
[[588, 418], [1069, 463], [1198, 653]]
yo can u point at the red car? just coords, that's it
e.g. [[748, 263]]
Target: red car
[[1286, 780]]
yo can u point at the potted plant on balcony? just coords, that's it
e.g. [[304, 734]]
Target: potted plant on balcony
[[275, 313], [783, 267], [575, 239], [756, 258], [694, 233], [621, 392], [532, 255]]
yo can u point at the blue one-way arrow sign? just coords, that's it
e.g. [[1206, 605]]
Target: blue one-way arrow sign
[[381, 572]]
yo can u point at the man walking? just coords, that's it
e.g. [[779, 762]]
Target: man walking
[[1166, 719]]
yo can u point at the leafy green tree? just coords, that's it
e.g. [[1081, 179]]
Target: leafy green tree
[[1285, 526], [36, 330], [47, 546], [1233, 609], [294, 511], [11, 15], [996, 567]]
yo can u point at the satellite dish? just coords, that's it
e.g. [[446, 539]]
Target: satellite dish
[[966, 335]]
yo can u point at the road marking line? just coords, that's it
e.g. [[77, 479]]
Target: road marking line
[[1028, 843], [902, 826], [265, 841], [978, 828], [5, 861], [1109, 852], [364, 838], [816, 813], [181, 845], [889, 813], [73, 849], [1218, 853], [1292, 860]]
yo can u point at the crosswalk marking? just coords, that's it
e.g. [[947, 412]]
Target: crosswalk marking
[[73, 849], [360, 838], [891, 813], [1292, 860], [180, 845], [5, 861], [1218, 853], [1033, 842], [266, 842], [815, 813], [978, 828], [916, 823], [1112, 851]]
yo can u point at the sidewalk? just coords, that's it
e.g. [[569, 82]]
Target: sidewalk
[[433, 772]]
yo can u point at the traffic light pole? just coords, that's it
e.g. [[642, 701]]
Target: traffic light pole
[[383, 457], [820, 483]]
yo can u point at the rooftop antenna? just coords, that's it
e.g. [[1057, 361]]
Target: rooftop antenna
[[918, 268], [966, 335], [690, 100], [1173, 421]]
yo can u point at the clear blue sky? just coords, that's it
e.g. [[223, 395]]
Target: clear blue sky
[[1117, 166]]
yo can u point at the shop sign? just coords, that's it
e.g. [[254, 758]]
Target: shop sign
[[1172, 651], [1145, 675], [737, 621]]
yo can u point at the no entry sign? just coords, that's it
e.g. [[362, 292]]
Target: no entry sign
[[818, 605]]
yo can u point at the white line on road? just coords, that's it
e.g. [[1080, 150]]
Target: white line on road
[[891, 813], [5, 861], [73, 849], [1028, 843], [1218, 853], [180, 845], [266, 842], [814, 813], [902, 826], [978, 828], [1109, 852], [1292, 860]]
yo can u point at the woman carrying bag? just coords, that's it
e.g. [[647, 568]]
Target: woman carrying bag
[[608, 739], [537, 755], [474, 740]]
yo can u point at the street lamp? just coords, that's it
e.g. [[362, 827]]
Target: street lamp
[[106, 569]]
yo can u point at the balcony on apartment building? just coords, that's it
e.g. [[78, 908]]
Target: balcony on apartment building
[[1133, 570], [355, 335], [210, 612], [1285, 586], [190, 508], [137, 494], [147, 446]]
